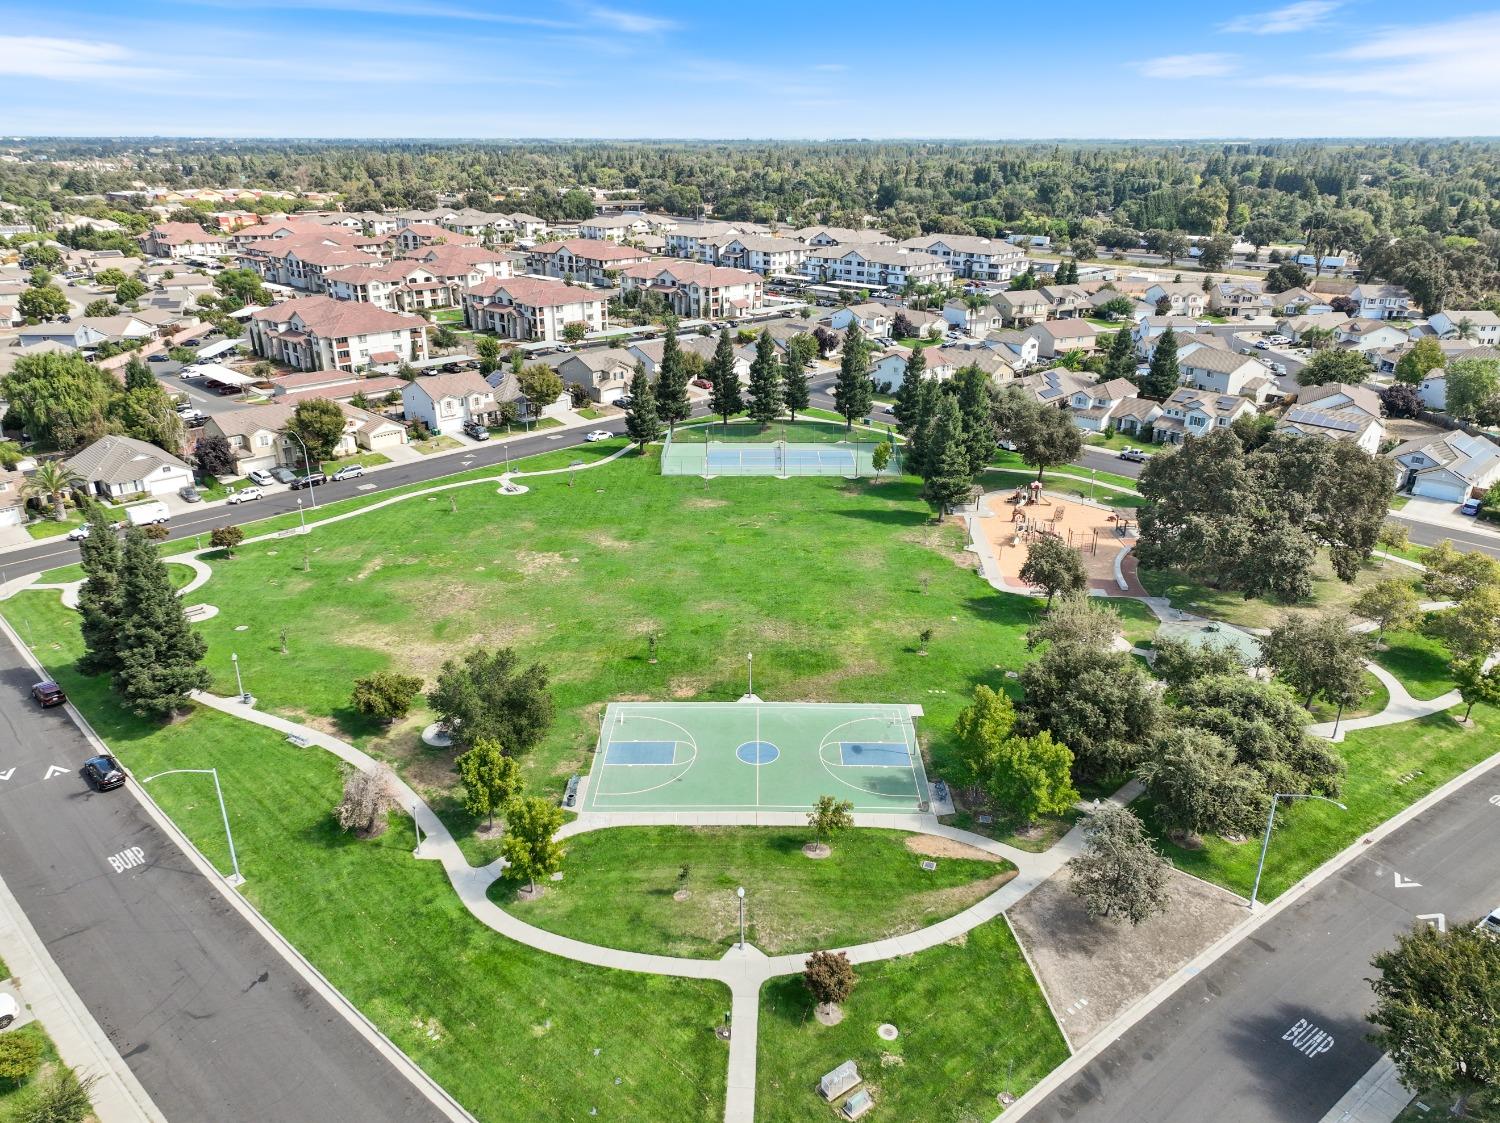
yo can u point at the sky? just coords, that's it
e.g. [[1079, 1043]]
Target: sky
[[768, 69]]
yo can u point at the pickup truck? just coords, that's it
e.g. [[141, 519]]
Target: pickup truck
[[1133, 454]]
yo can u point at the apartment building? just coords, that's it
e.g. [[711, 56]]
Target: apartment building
[[530, 308], [875, 266], [585, 260], [182, 239], [692, 289], [320, 333], [759, 253], [975, 259]]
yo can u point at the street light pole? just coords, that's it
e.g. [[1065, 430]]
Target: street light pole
[[301, 515], [740, 893], [235, 878], [307, 463], [750, 685], [1270, 821], [238, 681]]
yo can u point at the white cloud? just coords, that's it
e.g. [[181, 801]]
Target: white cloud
[[67, 60], [1206, 65], [1301, 16], [632, 23]]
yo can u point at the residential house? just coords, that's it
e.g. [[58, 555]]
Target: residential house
[[320, 333], [1094, 406], [977, 322], [446, 403], [1299, 302], [1477, 325], [1190, 412], [1136, 417], [1224, 372], [649, 351], [1368, 335], [584, 260], [1381, 302], [178, 240], [1433, 389], [1295, 326], [529, 308], [1452, 465], [695, 290], [1021, 308], [1138, 307], [978, 259], [1148, 328], [1240, 300], [1017, 348], [118, 467], [873, 319], [258, 437], [874, 266], [604, 373], [335, 385], [1055, 337], [1183, 298], [1338, 411], [1066, 302]]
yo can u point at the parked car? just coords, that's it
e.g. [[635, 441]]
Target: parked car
[[703, 384], [192, 343], [158, 359], [1490, 925], [79, 533], [10, 1010], [1279, 340], [104, 772], [190, 494], [476, 431], [246, 494], [192, 418], [351, 471], [1470, 507], [597, 435], [48, 694], [1133, 454], [1262, 344], [262, 477], [312, 479], [283, 475]]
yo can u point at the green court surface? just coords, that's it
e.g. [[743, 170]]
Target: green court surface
[[756, 756], [785, 448]]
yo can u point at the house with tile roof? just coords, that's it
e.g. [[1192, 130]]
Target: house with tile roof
[[583, 260], [1451, 466], [533, 309], [115, 467], [320, 333], [445, 403], [695, 290]]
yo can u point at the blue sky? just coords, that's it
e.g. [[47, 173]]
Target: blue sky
[[652, 68]]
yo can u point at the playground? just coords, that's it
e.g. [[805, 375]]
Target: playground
[[785, 448], [756, 756], [1011, 520]]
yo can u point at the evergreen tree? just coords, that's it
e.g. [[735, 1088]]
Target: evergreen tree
[[919, 427], [158, 653], [1163, 376], [724, 398], [905, 409], [138, 375], [98, 600], [975, 408], [795, 394], [642, 422], [1121, 360], [672, 403], [947, 459], [765, 382], [852, 393]]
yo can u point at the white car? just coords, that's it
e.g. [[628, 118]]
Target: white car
[[79, 533], [1490, 925], [597, 435], [1280, 340], [245, 494], [350, 472], [10, 1010], [1262, 344], [262, 477]]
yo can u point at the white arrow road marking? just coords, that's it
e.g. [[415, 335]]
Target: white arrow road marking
[[1436, 919], [1495, 799], [56, 770], [1402, 883], [8, 773]]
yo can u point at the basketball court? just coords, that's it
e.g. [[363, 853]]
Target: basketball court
[[756, 756], [785, 448]]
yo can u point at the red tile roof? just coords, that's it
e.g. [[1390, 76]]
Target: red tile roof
[[537, 293], [591, 249], [335, 319]]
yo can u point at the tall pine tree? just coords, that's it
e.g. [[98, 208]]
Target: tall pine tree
[[919, 427], [975, 409], [765, 382], [948, 480], [1121, 360], [642, 423], [905, 408], [672, 403], [99, 599], [724, 397], [795, 393], [159, 654], [852, 393], [1163, 377]]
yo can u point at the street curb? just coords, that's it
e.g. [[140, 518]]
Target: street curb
[[430, 1088], [1149, 1002]]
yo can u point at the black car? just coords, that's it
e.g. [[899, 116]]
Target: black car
[[312, 479], [104, 772], [48, 693]]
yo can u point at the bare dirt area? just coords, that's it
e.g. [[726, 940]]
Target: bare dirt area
[[932, 846], [1093, 969]]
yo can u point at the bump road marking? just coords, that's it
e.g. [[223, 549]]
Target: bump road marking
[[127, 859], [1308, 1039]]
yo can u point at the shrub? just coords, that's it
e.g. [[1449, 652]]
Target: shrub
[[20, 1054], [829, 977], [385, 695], [367, 798], [62, 1096]]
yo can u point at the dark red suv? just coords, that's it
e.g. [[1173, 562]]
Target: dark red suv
[[48, 694]]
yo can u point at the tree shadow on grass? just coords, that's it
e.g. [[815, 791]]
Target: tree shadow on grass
[[890, 517]]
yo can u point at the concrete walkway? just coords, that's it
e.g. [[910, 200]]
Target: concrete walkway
[[1401, 707]]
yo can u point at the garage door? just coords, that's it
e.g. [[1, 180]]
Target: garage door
[[609, 397], [1439, 488]]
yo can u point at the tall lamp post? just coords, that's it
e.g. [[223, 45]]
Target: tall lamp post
[[307, 462], [235, 878], [238, 681], [740, 893], [1270, 821]]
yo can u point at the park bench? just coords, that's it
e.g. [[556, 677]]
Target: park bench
[[834, 1084]]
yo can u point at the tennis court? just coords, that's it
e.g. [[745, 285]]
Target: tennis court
[[799, 448], [749, 756]]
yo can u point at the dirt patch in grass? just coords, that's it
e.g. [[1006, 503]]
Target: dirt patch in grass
[[530, 564], [946, 539], [606, 541], [370, 567], [1112, 965], [425, 655], [819, 688], [701, 504], [687, 686], [934, 846]]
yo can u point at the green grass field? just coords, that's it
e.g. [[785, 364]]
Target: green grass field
[[1390, 768], [871, 886], [391, 934], [998, 479], [970, 1016], [1373, 702], [1419, 661]]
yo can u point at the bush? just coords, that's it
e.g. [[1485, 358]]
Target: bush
[[226, 538], [20, 1054], [385, 695], [368, 797], [62, 1096], [157, 533], [829, 977]]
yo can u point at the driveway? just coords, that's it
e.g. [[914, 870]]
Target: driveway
[[1442, 512]]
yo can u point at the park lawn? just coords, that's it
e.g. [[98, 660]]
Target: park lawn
[[997, 479], [1137, 621], [1390, 768], [15, 1096], [368, 459], [177, 573], [448, 315], [1037, 837], [435, 444], [1420, 662], [1329, 594], [971, 1019], [391, 934], [1003, 458], [870, 886], [578, 577], [1376, 700]]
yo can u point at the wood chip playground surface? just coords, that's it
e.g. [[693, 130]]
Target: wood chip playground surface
[[756, 756]]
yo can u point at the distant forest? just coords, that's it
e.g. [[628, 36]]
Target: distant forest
[[1425, 213]]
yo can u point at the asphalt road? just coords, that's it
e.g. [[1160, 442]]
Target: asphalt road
[[209, 1017], [1226, 1045]]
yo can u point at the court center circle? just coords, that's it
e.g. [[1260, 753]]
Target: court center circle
[[757, 752]]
